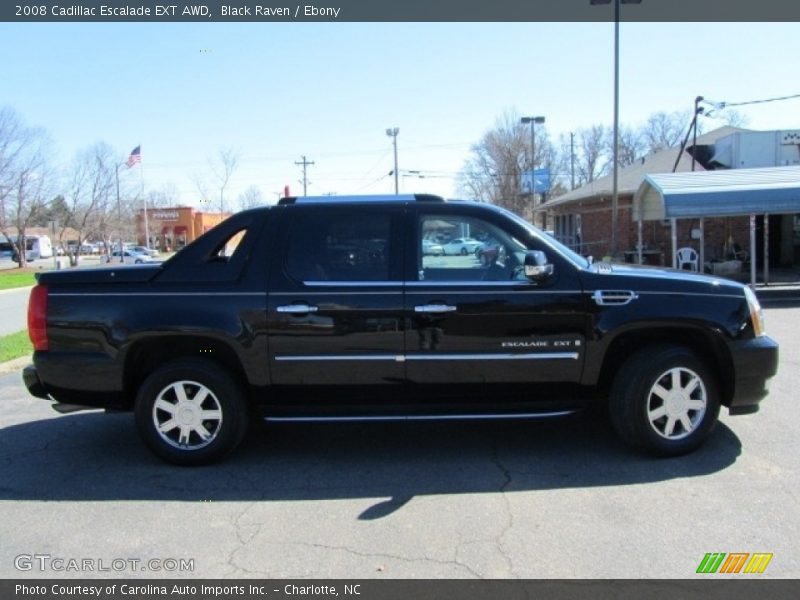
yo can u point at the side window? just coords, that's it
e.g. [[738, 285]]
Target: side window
[[226, 250], [454, 248], [325, 246]]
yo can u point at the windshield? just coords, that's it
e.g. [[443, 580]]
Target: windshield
[[572, 256]]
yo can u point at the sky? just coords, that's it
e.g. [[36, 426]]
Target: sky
[[274, 92]]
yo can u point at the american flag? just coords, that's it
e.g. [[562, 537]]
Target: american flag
[[135, 157]]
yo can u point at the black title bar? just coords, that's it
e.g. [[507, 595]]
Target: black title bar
[[314, 589], [293, 11]]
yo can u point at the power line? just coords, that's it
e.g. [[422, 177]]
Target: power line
[[721, 105]]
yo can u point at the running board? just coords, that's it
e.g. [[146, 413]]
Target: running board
[[65, 408], [467, 417]]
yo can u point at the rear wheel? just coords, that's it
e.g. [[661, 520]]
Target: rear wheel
[[464, 251], [664, 400], [191, 412]]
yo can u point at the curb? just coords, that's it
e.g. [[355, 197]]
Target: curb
[[15, 289], [15, 365]]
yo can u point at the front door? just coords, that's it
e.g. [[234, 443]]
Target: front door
[[474, 318]]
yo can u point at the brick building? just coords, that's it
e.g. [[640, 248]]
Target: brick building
[[582, 218], [173, 228]]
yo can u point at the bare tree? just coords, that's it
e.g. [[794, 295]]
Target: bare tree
[[493, 172], [730, 117], [92, 191], [223, 171], [212, 189], [631, 146], [665, 130], [166, 195], [203, 188], [252, 197], [591, 154], [25, 178]]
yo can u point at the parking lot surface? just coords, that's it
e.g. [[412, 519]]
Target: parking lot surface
[[560, 498]]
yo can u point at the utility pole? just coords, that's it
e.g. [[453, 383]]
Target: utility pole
[[392, 133], [305, 164], [615, 148], [572, 160]]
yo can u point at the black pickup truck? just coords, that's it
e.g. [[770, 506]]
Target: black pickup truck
[[332, 309]]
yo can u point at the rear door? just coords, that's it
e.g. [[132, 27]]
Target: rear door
[[336, 304], [475, 319]]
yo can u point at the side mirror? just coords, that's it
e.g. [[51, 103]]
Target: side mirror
[[536, 266]]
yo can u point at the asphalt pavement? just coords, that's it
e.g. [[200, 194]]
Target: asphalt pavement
[[13, 310], [561, 498]]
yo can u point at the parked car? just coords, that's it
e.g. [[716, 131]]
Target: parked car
[[462, 246], [304, 319], [7, 250], [151, 252], [489, 252], [430, 248], [129, 257]]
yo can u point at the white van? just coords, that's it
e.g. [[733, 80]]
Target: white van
[[37, 246]]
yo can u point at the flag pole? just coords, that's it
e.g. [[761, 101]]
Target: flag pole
[[144, 202]]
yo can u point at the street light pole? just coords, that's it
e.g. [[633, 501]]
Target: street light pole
[[533, 121], [392, 133], [615, 159]]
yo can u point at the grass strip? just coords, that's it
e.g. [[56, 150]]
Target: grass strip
[[12, 279], [15, 345]]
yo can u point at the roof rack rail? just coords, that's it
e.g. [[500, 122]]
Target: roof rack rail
[[362, 198]]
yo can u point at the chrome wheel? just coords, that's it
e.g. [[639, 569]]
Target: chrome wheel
[[187, 415], [677, 403]]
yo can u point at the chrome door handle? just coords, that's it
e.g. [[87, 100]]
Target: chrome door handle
[[297, 309], [435, 308]]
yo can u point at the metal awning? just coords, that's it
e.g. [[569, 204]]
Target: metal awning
[[726, 193]]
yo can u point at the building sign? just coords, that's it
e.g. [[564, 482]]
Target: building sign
[[165, 215], [538, 180]]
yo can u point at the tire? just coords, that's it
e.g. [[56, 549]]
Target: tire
[[464, 251], [137, 262], [664, 400], [198, 440]]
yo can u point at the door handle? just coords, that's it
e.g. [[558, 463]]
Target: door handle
[[297, 309], [435, 308]]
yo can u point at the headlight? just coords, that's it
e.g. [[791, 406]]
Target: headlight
[[756, 314]]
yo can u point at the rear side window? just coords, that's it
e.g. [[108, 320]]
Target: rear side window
[[227, 249], [347, 247]]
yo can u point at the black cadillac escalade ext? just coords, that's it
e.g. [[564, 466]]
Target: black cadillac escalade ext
[[334, 308]]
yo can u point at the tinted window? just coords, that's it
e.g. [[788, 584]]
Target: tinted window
[[339, 247], [456, 248]]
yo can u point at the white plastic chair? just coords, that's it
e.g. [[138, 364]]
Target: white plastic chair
[[687, 256]]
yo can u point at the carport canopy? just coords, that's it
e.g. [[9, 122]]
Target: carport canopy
[[723, 193], [726, 193]]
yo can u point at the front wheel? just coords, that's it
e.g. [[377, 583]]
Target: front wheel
[[664, 400], [191, 412]]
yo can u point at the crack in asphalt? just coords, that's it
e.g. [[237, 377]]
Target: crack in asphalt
[[236, 522], [497, 540], [405, 559]]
